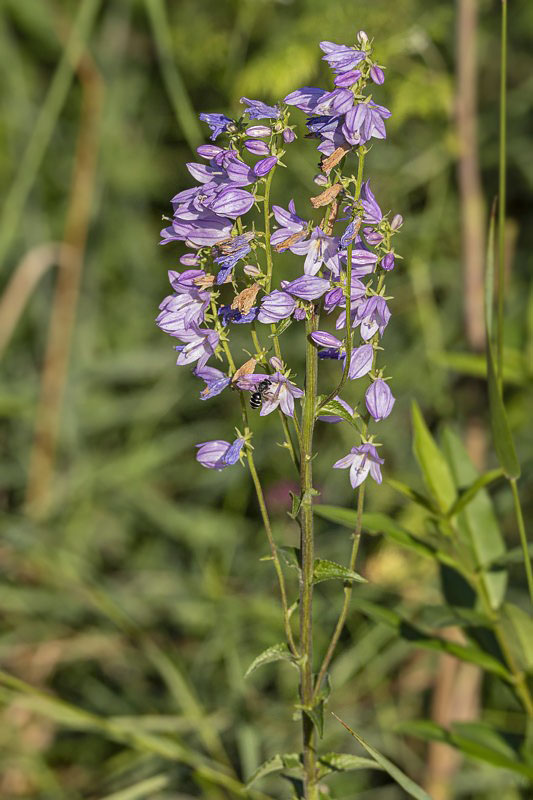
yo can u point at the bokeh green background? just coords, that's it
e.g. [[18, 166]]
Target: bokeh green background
[[140, 593]]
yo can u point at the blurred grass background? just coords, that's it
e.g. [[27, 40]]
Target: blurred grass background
[[131, 581]]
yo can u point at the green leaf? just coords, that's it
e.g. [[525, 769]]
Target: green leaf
[[467, 495], [316, 715], [141, 789], [278, 652], [334, 408], [374, 523], [514, 366], [423, 729], [520, 625], [408, 785], [413, 495], [501, 432], [427, 641], [476, 522], [275, 764], [344, 762], [325, 570], [281, 328], [432, 463], [290, 556]]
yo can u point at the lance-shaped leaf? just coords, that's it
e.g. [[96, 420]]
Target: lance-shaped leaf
[[278, 652], [408, 785], [344, 762], [275, 764], [501, 432], [434, 466]]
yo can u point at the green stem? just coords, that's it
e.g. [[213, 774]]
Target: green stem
[[307, 562], [348, 293], [502, 190], [347, 594], [260, 495], [523, 536], [268, 247]]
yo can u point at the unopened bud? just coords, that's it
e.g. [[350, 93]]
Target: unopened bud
[[362, 38], [321, 180], [397, 222]]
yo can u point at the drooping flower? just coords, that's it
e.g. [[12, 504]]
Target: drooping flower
[[361, 460], [377, 74], [256, 109], [215, 381], [217, 122], [200, 345], [219, 454], [264, 166], [281, 393], [379, 399], [361, 361], [372, 315], [387, 262], [340, 57], [257, 147]]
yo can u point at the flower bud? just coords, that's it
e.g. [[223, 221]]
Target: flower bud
[[387, 262], [372, 237], [325, 339], [320, 180], [208, 150], [288, 135], [377, 74], [276, 364], [397, 222], [379, 399], [258, 131], [189, 259], [258, 148], [362, 38], [348, 78], [264, 166]]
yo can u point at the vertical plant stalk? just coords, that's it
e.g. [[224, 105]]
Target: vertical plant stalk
[[308, 560], [348, 588], [470, 193], [65, 301], [523, 536], [502, 192]]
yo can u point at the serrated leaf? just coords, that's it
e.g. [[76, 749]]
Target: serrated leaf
[[325, 570], [275, 764], [501, 432], [435, 470], [344, 762], [408, 785], [334, 408], [278, 652]]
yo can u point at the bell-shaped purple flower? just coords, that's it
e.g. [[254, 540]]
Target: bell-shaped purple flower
[[256, 109], [305, 99], [200, 345], [215, 381], [379, 399], [347, 78], [306, 287], [340, 57], [281, 392], [264, 166], [217, 122], [368, 201], [218, 454], [276, 306], [288, 135], [373, 315], [361, 361], [232, 203], [361, 461]]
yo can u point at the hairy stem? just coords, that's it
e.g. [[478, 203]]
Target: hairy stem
[[307, 561]]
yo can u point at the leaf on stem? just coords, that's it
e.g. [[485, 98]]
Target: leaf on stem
[[275, 764], [325, 570], [344, 762], [501, 432], [408, 785], [434, 466], [278, 652]]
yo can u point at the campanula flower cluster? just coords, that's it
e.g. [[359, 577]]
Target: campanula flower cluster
[[340, 248]]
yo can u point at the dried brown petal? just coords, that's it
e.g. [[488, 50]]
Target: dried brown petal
[[332, 160], [247, 369], [245, 299], [326, 196], [204, 281], [328, 226], [286, 243]]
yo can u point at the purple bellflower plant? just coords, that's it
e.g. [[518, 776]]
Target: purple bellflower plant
[[341, 252]]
